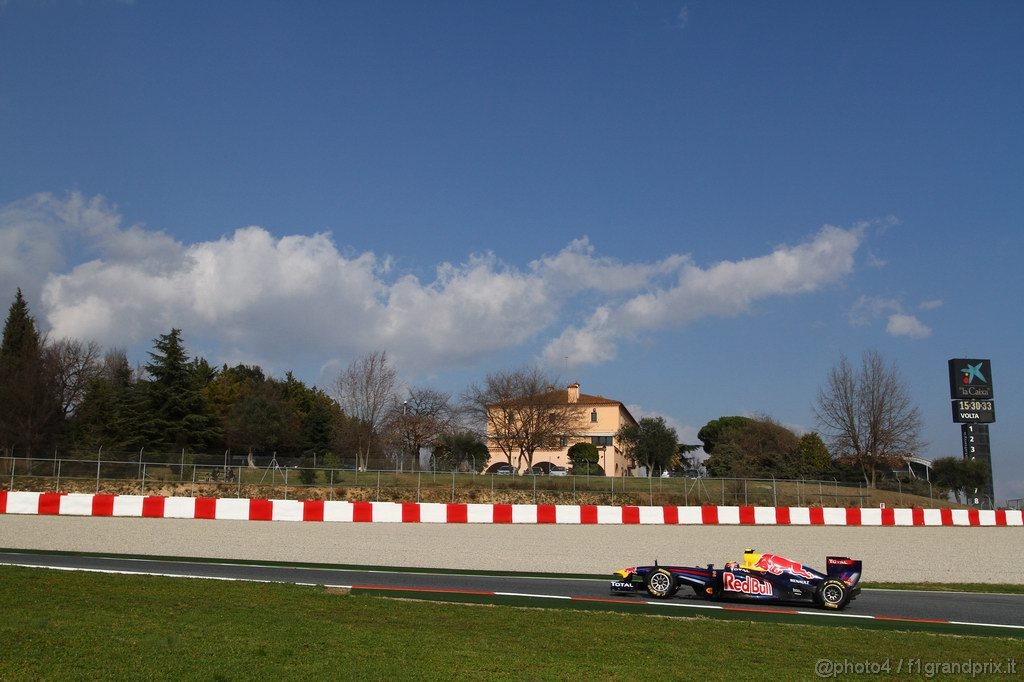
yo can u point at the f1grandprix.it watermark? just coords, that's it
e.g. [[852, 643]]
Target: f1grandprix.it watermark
[[826, 667]]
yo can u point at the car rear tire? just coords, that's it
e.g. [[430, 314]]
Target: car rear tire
[[660, 583], [833, 594]]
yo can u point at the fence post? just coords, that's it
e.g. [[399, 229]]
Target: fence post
[[193, 479], [56, 488], [378, 486], [99, 458], [419, 475], [238, 493], [821, 501], [286, 483], [143, 472], [745, 501], [14, 465], [650, 487], [453, 487]]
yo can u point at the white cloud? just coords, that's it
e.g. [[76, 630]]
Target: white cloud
[[907, 325], [683, 18], [575, 268], [874, 261], [930, 305], [868, 309], [37, 232], [727, 288], [284, 301]]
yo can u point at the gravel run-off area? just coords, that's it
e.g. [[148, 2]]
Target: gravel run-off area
[[946, 554]]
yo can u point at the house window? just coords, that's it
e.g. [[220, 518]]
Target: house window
[[601, 440], [563, 442], [593, 416]]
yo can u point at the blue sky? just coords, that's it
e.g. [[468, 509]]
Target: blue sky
[[692, 207]]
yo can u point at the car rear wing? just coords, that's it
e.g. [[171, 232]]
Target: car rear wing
[[843, 568]]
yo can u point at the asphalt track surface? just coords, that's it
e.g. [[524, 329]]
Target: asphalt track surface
[[890, 555], [898, 605]]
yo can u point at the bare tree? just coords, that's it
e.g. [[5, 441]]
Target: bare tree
[[364, 390], [523, 412], [867, 415], [76, 364], [419, 421]]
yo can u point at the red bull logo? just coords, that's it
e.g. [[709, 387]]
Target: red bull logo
[[746, 585], [777, 565]]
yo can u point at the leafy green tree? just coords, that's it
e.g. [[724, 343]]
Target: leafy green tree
[[948, 474], [260, 421], [959, 476], [181, 415], [460, 449], [584, 457], [114, 412], [814, 455], [719, 430], [318, 424], [31, 412], [742, 446], [651, 443]]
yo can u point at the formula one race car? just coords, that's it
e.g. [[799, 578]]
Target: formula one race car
[[759, 577]]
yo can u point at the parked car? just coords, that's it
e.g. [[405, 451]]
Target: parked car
[[536, 471], [558, 471], [505, 470]]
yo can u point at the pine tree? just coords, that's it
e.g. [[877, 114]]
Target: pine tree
[[21, 338], [181, 417], [30, 409]]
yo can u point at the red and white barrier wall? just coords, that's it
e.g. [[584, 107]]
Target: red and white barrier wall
[[62, 504]]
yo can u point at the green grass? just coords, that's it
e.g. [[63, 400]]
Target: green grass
[[64, 625]]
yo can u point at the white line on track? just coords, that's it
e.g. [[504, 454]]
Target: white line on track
[[502, 594], [988, 625]]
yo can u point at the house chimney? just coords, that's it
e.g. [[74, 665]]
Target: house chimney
[[574, 393]]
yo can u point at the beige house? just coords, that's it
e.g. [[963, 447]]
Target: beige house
[[600, 419]]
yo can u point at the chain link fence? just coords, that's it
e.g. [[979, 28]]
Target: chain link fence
[[194, 476]]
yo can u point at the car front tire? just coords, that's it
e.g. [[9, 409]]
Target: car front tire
[[660, 583]]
